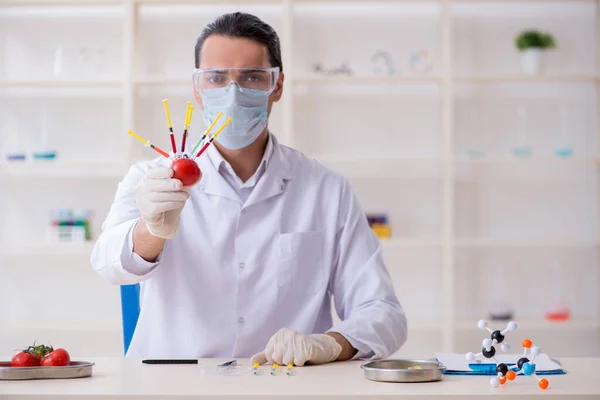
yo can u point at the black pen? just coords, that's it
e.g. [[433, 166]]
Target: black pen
[[170, 361]]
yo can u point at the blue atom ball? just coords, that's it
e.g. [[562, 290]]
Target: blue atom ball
[[528, 369]]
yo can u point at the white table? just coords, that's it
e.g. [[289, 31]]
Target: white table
[[120, 378]]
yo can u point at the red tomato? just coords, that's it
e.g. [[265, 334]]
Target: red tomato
[[24, 359], [57, 358], [186, 171]]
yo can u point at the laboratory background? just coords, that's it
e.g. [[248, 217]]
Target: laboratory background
[[468, 129]]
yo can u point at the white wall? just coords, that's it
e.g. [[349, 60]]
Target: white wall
[[384, 133]]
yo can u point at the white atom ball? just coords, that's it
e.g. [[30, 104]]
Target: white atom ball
[[487, 343]]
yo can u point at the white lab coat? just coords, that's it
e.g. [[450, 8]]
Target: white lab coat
[[236, 273]]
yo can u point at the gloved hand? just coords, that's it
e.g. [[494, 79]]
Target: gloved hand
[[290, 347], [160, 200]]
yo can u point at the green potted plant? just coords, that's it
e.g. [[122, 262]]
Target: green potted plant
[[532, 44]]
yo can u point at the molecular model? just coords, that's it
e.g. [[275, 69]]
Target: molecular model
[[525, 365]]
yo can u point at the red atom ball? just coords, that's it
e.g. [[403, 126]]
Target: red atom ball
[[186, 171]]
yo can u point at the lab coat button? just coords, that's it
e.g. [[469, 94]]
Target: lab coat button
[[244, 211], [242, 265], [240, 320]]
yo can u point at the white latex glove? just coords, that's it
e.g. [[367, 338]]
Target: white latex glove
[[160, 200], [290, 347]]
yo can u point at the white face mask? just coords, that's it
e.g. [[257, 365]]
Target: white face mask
[[248, 109]]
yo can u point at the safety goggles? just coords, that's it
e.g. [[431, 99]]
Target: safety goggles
[[207, 80]]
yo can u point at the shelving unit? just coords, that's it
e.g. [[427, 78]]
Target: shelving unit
[[58, 84], [58, 169], [529, 79], [48, 249], [414, 165], [539, 324]]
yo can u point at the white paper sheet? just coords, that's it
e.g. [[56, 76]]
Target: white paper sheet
[[458, 361]]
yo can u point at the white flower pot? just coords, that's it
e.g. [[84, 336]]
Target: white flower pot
[[532, 61]]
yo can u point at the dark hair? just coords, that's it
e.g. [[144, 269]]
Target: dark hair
[[242, 25]]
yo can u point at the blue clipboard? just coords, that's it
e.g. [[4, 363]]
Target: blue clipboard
[[490, 369]]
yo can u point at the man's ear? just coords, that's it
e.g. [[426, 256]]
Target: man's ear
[[278, 92]]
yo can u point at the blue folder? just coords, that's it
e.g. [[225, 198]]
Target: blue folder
[[490, 369]]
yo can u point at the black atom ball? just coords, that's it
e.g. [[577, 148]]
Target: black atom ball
[[498, 336], [502, 368], [489, 354], [522, 361]]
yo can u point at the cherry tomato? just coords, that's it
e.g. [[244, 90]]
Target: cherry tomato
[[25, 359], [57, 358], [186, 171]]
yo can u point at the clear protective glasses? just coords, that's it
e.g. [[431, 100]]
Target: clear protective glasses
[[207, 80]]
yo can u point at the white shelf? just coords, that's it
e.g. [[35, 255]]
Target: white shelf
[[202, 2], [58, 328], [357, 166], [60, 84], [493, 159], [535, 324], [522, 1], [159, 81], [308, 79], [365, 1], [47, 249], [59, 3], [58, 169], [526, 242], [529, 78]]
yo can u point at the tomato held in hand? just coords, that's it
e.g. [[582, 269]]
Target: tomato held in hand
[[186, 171], [25, 359], [56, 358]]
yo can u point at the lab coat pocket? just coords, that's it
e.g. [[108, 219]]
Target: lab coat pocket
[[301, 270]]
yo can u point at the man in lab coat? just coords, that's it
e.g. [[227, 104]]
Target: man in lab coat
[[245, 262]]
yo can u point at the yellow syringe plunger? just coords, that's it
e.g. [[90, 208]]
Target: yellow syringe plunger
[[189, 116], [147, 143], [130, 133], [256, 365], [212, 125], [220, 130], [165, 102], [290, 366], [276, 366]]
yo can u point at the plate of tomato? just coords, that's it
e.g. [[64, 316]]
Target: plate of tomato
[[43, 362]]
